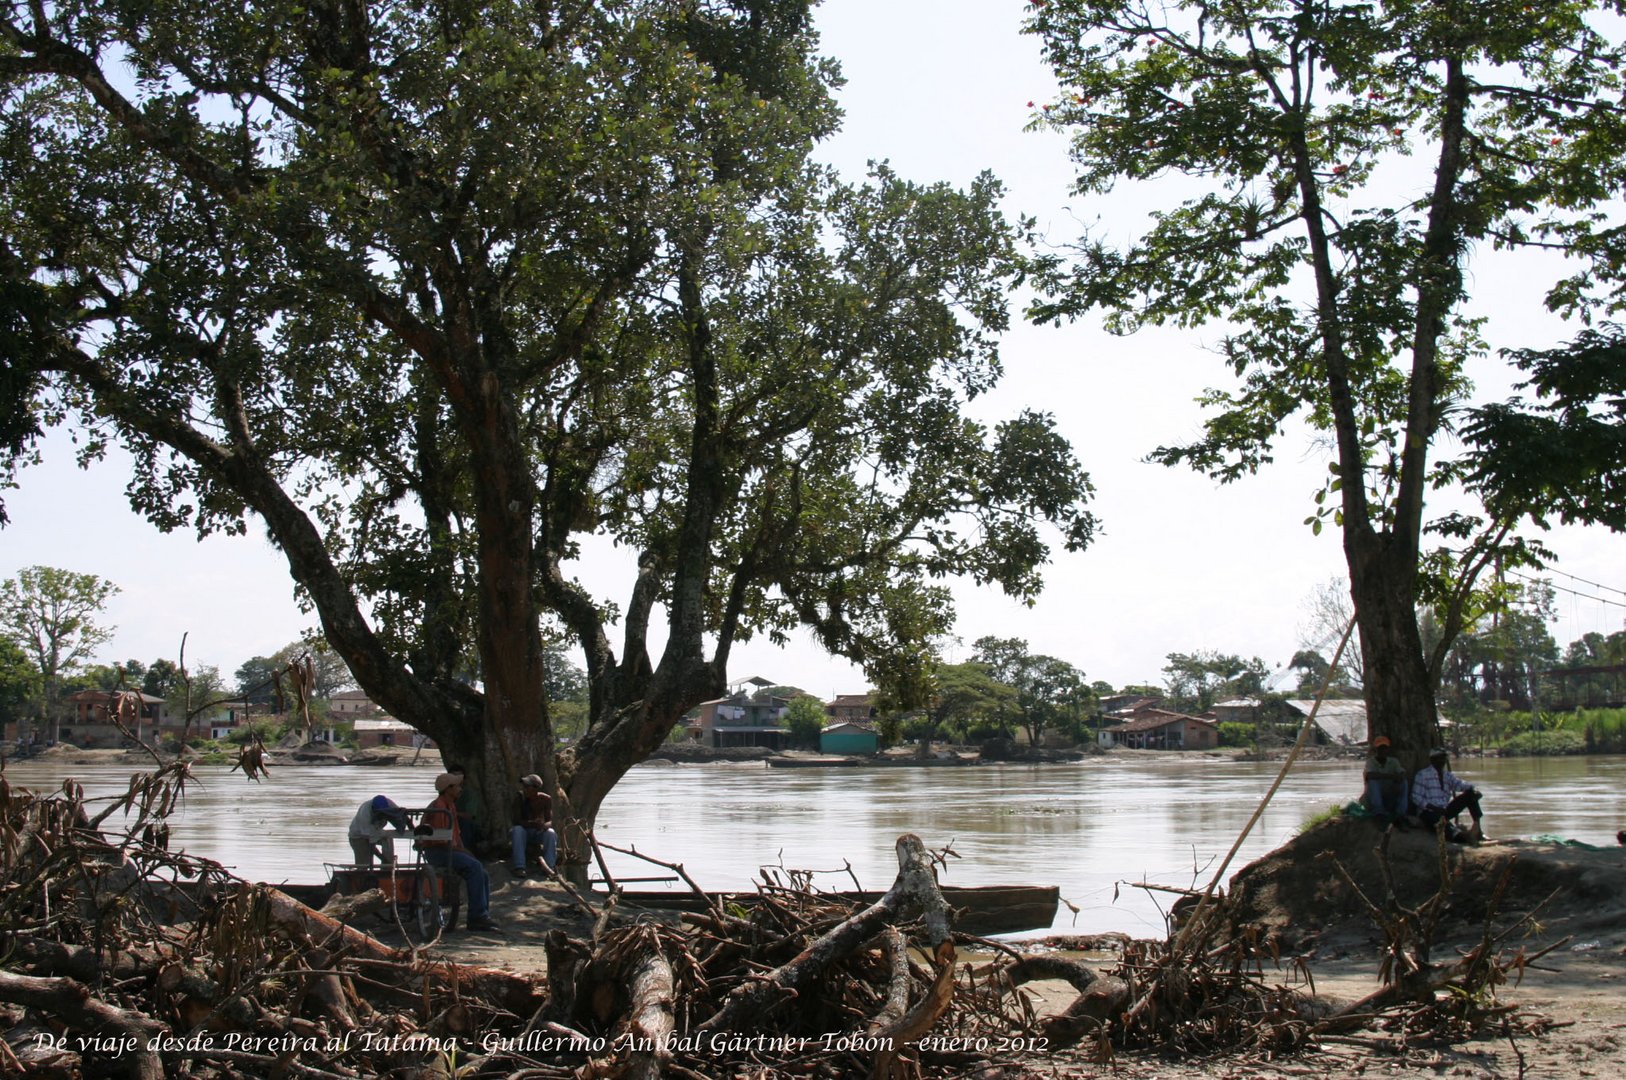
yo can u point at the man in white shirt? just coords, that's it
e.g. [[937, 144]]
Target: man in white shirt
[[1440, 795], [367, 830]]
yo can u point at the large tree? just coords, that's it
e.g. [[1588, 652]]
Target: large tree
[[1339, 274], [1048, 691], [19, 683], [438, 291], [1197, 680], [52, 614]]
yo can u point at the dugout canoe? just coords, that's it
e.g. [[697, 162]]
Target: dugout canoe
[[813, 763], [983, 910]]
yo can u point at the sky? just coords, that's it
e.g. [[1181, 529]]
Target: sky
[[940, 88]]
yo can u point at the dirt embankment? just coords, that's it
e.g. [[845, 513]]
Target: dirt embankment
[[1298, 892]]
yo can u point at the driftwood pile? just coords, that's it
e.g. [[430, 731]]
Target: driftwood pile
[[119, 957]]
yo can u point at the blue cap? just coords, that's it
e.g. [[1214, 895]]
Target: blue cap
[[382, 802]]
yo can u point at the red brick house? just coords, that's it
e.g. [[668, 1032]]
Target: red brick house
[[1156, 729], [92, 723]]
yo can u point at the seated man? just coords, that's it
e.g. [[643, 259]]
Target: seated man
[[442, 814], [533, 824], [367, 830], [1386, 794], [1440, 795]]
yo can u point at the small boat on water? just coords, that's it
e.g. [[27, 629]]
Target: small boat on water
[[813, 762], [373, 759], [982, 910]]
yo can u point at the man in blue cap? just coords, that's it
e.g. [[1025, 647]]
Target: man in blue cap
[[367, 830]]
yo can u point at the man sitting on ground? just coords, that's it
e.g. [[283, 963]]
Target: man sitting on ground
[[533, 824], [1440, 795], [1386, 794]]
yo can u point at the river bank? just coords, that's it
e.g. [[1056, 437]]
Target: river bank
[[1093, 828], [1100, 811], [1573, 994]]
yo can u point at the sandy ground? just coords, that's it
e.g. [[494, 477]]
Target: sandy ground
[[1579, 989]]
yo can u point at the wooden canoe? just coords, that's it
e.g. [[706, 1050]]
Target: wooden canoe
[[982, 910], [814, 763]]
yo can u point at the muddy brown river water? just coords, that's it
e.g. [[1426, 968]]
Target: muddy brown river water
[[1093, 828]]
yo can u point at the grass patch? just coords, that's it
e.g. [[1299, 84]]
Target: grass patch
[[1321, 817]]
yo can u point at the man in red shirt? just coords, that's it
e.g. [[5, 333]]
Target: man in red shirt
[[442, 814], [533, 824]]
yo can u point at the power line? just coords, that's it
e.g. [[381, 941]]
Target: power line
[[1572, 592], [1594, 584]]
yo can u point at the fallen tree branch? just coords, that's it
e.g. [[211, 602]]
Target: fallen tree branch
[[70, 1001], [748, 1003]]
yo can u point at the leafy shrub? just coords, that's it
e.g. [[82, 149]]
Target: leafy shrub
[[1544, 743]]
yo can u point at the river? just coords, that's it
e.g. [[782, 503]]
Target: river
[[1093, 828]]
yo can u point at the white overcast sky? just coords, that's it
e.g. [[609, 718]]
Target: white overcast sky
[[940, 88]]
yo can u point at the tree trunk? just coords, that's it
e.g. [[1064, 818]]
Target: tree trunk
[[1399, 692]]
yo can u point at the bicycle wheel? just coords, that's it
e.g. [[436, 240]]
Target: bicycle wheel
[[426, 912]]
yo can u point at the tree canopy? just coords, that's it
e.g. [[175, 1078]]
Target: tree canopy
[[1564, 453], [1197, 680], [1047, 692], [1338, 274], [54, 615], [438, 292]]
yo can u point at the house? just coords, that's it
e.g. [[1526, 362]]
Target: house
[[1158, 729], [349, 704], [1339, 721], [92, 724], [741, 719], [374, 731], [849, 737], [1237, 711], [851, 708]]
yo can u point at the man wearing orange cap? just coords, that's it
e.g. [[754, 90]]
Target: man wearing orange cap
[[1386, 794], [442, 814]]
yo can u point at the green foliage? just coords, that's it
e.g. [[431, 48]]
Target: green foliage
[[1602, 731], [256, 680], [199, 695], [1545, 743], [19, 681], [1197, 680], [570, 719], [1564, 454], [1233, 733], [264, 728], [804, 719], [968, 702], [527, 278], [1274, 133], [1321, 817], [51, 614], [1049, 693], [126, 676], [159, 679]]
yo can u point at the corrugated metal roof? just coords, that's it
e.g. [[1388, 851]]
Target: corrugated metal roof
[[1342, 719], [388, 723], [1155, 719]]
